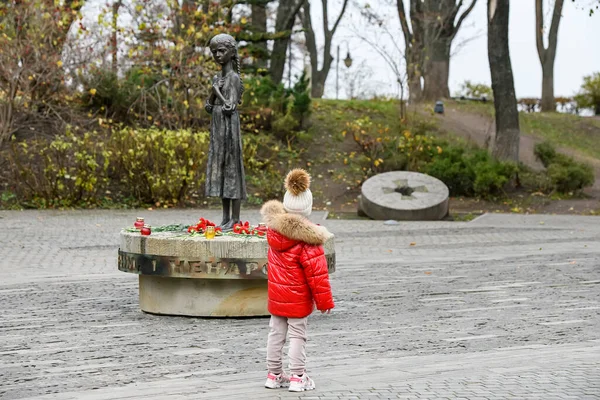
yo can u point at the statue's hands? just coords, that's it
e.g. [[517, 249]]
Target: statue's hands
[[228, 108], [218, 84], [208, 107]]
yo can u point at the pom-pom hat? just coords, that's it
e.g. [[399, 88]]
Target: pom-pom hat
[[298, 198]]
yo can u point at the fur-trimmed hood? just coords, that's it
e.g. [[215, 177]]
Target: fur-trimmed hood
[[293, 226]]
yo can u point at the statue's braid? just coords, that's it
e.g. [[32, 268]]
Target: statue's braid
[[236, 59]]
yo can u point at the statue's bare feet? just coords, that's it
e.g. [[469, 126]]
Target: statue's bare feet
[[228, 226]]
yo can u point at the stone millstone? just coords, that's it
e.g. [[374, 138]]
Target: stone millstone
[[404, 196]]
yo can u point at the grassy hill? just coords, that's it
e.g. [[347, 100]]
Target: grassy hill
[[581, 134], [331, 156]]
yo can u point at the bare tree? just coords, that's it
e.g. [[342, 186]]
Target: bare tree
[[114, 46], [393, 58], [547, 54], [506, 144], [414, 44], [284, 23], [32, 88], [258, 22], [320, 76], [442, 22]]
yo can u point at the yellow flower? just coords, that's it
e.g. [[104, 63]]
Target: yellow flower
[[93, 92], [439, 150], [59, 63]]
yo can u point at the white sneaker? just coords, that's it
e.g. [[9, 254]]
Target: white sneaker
[[277, 381], [301, 383]]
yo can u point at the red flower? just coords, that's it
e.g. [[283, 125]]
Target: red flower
[[240, 228], [200, 227]]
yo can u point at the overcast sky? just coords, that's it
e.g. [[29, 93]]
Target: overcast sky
[[578, 52]]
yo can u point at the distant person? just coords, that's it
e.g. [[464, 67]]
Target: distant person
[[298, 279]]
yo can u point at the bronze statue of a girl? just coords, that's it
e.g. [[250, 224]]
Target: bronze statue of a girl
[[225, 177]]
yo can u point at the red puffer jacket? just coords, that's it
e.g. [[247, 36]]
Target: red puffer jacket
[[297, 270]]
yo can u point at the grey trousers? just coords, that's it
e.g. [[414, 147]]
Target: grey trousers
[[279, 328]]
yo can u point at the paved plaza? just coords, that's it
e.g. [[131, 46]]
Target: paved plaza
[[502, 307]]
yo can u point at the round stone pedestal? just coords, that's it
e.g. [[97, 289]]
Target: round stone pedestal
[[404, 196], [193, 276], [203, 297]]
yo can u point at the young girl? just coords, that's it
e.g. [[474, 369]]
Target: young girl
[[225, 177], [298, 279]]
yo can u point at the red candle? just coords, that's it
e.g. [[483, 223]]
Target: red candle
[[261, 229], [145, 231], [139, 223]]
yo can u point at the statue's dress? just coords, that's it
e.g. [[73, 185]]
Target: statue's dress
[[225, 177]]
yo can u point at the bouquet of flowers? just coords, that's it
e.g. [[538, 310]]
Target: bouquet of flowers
[[244, 228], [200, 227]]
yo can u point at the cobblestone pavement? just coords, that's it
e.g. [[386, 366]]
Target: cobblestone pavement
[[503, 307]]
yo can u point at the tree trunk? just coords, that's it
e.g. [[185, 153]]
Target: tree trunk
[[317, 87], [440, 29], [278, 57], [428, 45], [114, 48], [319, 77], [548, 101], [437, 71], [413, 72], [284, 22], [413, 43], [259, 25], [415, 92], [506, 144], [547, 55]]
